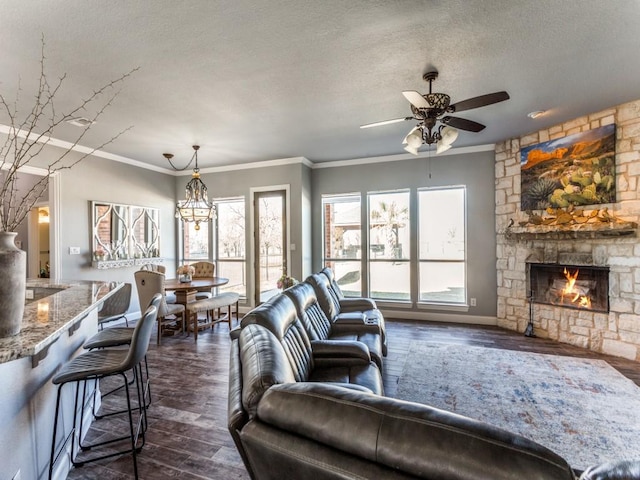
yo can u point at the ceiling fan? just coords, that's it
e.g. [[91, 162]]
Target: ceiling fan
[[432, 108]]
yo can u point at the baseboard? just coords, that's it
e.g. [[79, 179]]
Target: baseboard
[[439, 317]]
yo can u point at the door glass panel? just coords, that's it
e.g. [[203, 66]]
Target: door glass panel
[[270, 242]]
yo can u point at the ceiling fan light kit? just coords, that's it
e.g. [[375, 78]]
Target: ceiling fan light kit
[[434, 125]]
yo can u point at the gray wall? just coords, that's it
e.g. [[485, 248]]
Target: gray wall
[[475, 170], [114, 182]]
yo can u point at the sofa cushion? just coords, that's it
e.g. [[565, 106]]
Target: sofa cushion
[[367, 376]]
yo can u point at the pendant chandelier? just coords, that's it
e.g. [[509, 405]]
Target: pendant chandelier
[[196, 206]]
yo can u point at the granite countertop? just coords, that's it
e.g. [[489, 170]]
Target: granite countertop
[[45, 319]]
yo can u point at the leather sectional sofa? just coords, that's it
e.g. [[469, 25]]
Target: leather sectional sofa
[[306, 402]]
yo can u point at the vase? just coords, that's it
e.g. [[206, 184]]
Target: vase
[[185, 278], [13, 265]]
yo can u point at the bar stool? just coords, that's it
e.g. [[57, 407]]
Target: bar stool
[[95, 365], [117, 337]]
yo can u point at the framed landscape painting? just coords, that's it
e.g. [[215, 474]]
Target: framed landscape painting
[[578, 169]]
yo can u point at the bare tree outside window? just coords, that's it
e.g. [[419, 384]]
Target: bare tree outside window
[[270, 225]]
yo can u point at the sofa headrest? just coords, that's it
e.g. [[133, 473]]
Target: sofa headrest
[[414, 438], [328, 302], [303, 296], [278, 315]]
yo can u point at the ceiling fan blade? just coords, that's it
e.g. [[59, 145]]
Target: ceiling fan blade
[[480, 101], [386, 122], [463, 124], [416, 99]]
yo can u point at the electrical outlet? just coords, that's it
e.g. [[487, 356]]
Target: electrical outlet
[[473, 302], [28, 294], [74, 250], [17, 476]]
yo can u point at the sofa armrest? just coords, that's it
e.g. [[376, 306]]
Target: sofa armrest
[[327, 353], [237, 417], [625, 470], [357, 304], [351, 318]]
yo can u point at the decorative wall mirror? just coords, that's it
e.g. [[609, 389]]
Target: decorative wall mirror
[[124, 235]]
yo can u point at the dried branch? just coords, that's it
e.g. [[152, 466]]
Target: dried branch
[[27, 138]]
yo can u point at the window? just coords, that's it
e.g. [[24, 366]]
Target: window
[[439, 261], [196, 242], [230, 251], [222, 242], [389, 246], [343, 241], [442, 252]]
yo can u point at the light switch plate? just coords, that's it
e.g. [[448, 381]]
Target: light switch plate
[[74, 250]]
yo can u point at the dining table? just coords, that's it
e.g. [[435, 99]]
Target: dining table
[[185, 292]]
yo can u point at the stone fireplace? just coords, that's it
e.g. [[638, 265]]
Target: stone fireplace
[[612, 249]]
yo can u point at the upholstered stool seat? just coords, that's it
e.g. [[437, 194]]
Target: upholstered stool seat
[[111, 337]]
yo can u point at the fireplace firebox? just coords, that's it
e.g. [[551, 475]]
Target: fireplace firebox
[[570, 286]]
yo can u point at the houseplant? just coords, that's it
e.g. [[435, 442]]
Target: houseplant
[[27, 133], [285, 281]]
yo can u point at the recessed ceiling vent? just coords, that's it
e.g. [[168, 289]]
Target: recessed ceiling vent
[[80, 122]]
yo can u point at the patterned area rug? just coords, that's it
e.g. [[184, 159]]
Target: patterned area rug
[[582, 409]]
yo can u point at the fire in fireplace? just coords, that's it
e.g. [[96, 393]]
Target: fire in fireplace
[[570, 286]]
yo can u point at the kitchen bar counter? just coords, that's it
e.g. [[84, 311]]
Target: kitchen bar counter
[[46, 319]]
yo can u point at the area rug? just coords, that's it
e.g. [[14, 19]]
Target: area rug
[[582, 409]]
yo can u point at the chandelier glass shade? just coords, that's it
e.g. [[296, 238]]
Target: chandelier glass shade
[[196, 206], [443, 137]]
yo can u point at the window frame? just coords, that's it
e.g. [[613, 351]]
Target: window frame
[[406, 259], [213, 246], [331, 261], [464, 261]]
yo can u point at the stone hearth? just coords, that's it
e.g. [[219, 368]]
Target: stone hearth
[[617, 332]]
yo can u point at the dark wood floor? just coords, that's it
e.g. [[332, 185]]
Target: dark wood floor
[[187, 436]]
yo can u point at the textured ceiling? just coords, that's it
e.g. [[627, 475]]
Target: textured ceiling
[[254, 80]]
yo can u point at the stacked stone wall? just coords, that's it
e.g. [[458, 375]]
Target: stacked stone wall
[[618, 332]]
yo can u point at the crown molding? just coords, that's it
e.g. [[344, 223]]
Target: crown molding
[[490, 147], [252, 165]]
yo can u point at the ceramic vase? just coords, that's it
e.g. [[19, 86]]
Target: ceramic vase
[[13, 265]]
